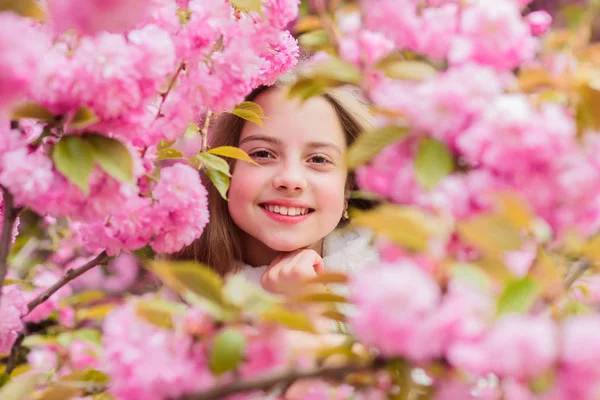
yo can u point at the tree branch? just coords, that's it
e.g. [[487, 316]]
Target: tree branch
[[164, 95], [66, 278], [10, 216], [284, 378], [579, 269], [204, 131], [14, 354]]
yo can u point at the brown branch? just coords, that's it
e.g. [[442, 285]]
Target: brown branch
[[10, 216], [284, 378], [14, 354], [204, 131], [164, 95], [66, 278], [579, 269]]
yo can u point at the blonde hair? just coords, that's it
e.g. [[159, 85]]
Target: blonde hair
[[219, 246]]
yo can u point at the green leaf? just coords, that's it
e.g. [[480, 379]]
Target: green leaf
[[305, 88], [336, 70], [409, 70], [26, 8], [220, 180], [250, 112], [159, 312], [315, 40], [490, 233], [187, 275], [251, 106], [74, 158], [84, 117], [293, 320], [32, 110], [518, 296], [4, 378], [433, 162], [405, 226], [112, 156], [21, 387], [248, 5], [168, 153], [98, 312], [211, 161], [472, 275], [370, 143], [232, 152], [329, 278], [84, 297], [227, 351], [320, 298]]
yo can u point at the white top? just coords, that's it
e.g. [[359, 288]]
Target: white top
[[343, 251]]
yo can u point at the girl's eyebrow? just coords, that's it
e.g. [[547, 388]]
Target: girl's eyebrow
[[276, 141], [263, 138]]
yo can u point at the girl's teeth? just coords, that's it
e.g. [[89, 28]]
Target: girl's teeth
[[283, 210]]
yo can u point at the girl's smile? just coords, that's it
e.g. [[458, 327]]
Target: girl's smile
[[286, 211]]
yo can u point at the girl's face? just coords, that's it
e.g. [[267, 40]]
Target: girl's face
[[296, 196]]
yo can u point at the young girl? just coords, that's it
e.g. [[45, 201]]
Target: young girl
[[278, 226]]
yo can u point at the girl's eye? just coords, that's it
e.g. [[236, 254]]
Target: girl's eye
[[261, 154], [320, 159]]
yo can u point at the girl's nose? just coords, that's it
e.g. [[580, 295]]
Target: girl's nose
[[290, 179]]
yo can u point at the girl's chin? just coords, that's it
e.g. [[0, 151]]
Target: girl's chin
[[285, 247]]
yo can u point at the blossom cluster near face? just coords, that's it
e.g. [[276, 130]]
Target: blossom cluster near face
[[204, 53], [401, 311]]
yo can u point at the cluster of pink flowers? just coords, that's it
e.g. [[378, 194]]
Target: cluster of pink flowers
[[13, 306], [494, 34], [401, 312], [180, 358], [145, 70], [173, 218]]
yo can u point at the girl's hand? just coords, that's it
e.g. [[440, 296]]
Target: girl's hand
[[288, 270]]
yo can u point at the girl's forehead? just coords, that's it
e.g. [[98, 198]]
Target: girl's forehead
[[290, 119]]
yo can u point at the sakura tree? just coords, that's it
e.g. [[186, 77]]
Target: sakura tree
[[483, 159]]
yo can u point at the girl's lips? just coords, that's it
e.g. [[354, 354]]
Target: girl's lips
[[286, 219]]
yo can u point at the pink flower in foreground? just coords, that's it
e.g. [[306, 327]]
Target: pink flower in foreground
[[394, 305], [580, 355], [147, 362], [92, 16], [13, 307], [182, 198], [267, 350], [22, 47], [519, 346]]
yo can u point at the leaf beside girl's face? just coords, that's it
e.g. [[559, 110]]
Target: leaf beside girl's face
[[301, 156]]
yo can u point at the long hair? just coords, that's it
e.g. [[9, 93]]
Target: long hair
[[219, 246]]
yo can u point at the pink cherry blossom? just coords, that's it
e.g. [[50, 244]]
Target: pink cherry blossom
[[280, 13], [579, 355], [177, 366], [21, 44], [182, 199], [13, 307], [94, 16], [394, 304], [518, 346], [494, 34], [365, 48], [266, 351]]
